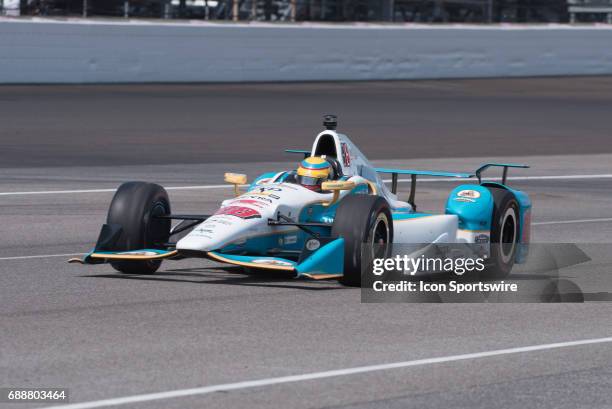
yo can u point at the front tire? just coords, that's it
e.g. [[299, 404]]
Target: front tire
[[362, 219], [134, 208]]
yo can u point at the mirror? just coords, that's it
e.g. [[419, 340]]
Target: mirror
[[336, 186], [236, 179]]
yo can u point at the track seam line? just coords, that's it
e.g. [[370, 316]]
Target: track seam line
[[605, 219], [322, 375]]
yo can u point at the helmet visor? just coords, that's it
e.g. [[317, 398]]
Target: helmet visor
[[309, 181]]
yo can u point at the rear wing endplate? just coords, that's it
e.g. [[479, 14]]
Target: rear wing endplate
[[486, 166]]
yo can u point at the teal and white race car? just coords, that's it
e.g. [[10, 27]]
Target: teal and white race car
[[281, 223]]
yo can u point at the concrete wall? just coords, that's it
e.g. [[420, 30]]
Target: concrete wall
[[83, 52]]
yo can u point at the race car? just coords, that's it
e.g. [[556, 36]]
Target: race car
[[315, 221]]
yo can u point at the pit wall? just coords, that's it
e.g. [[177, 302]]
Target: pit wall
[[88, 51]]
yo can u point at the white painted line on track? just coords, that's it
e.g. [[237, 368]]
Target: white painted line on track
[[41, 256], [607, 219], [324, 374], [227, 186], [59, 192], [519, 178]]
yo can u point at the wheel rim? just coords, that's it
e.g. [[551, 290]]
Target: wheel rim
[[380, 236], [508, 235]]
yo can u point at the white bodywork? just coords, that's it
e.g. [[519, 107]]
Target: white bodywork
[[427, 229], [246, 216]]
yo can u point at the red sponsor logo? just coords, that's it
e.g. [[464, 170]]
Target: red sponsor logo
[[239, 211], [251, 202], [346, 156]]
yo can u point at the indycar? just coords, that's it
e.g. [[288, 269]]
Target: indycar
[[278, 224]]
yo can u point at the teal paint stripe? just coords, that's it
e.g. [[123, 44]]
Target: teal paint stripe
[[406, 216]]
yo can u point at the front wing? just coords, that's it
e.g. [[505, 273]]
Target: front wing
[[325, 262]]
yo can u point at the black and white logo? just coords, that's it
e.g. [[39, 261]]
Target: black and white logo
[[313, 244]]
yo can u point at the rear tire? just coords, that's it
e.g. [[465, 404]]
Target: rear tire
[[504, 233], [134, 208], [362, 219]]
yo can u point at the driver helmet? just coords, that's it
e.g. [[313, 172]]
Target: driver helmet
[[312, 172]]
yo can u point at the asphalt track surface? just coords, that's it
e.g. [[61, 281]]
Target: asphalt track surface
[[115, 125], [199, 324]]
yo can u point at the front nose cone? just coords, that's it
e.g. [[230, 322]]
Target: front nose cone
[[198, 243], [217, 232]]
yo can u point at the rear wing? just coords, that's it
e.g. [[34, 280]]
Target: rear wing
[[486, 166], [413, 178], [414, 173]]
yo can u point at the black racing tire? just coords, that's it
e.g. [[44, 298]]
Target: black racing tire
[[505, 224], [362, 219], [133, 208]]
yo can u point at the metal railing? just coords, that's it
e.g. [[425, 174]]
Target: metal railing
[[589, 10], [419, 11]]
